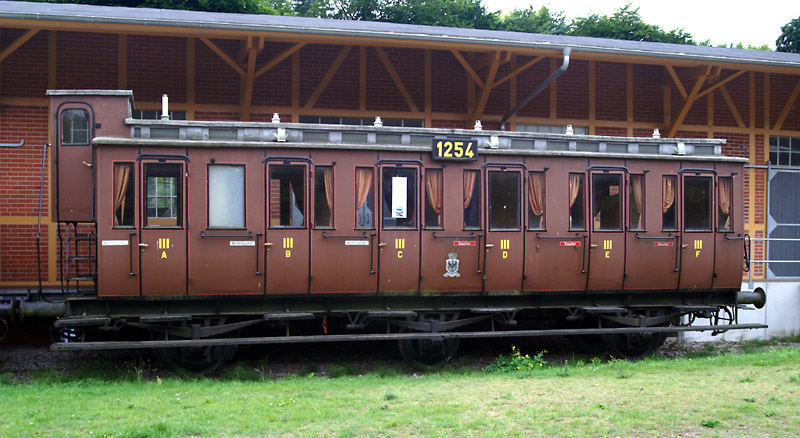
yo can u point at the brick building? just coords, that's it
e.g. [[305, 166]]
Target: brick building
[[245, 67]]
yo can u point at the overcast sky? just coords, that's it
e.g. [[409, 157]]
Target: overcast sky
[[723, 22]]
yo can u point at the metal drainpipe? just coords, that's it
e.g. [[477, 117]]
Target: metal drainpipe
[[553, 76]]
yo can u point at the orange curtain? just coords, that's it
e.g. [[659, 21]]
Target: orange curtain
[[470, 177], [363, 185], [536, 193], [328, 180], [725, 201], [122, 174], [667, 193], [433, 186], [575, 180], [637, 182]]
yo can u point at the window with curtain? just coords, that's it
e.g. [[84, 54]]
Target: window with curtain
[[226, 196], [504, 200], [399, 200], [697, 203], [725, 204], [607, 202], [536, 199], [75, 126], [123, 194], [472, 200], [576, 202], [323, 197], [669, 212], [433, 198], [163, 195], [636, 204], [287, 196], [364, 198]]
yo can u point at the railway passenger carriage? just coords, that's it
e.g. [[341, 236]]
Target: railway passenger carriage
[[423, 235]]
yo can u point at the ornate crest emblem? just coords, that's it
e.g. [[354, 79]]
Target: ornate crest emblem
[[451, 265]]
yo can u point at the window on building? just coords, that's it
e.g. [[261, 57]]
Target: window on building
[[362, 121], [399, 188], [123, 195], [504, 200], [364, 198], [636, 204], [472, 200], [784, 151], [226, 196], [75, 126], [536, 201], [323, 197], [725, 204], [607, 202], [287, 188], [433, 198], [576, 202], [163, 195], [697, 203], [669, 210], [144, 114], [784, 220]]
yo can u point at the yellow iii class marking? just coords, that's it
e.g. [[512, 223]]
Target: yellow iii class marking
[[399, 245], [608, 245], [698, 246], [505, 244], [163, 244]]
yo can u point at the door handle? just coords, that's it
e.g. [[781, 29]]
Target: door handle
[[489, 245], [142, 245], [685, 245], [594, 245], [86, 164], [267, 244], [382, 244]]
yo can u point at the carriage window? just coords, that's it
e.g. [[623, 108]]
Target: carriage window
[[287, 196], [75, 126], [163, 195], [725, 204], [636, 204], [576, 202], [123, 194], [323, 197], [225, 196], [399, 197], [472, 200], [433, 198], [606, 202], [697, 203], [669, 212], [536, 201], [364, 198], [504, 200]]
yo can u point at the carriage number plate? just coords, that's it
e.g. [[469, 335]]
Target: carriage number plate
[[455, 149]]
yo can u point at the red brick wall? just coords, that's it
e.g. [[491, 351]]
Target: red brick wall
[[86, 61], [156, 66], [215, 81], [21, 167], [24, 72]]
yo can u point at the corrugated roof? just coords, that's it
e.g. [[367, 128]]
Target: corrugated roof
[[389, 31]]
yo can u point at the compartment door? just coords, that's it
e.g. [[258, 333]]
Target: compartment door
[[287, 235], [398, 228], [606, 233], [75, 161], [503, 247], [697, 235], [162, 237], [729, 258]]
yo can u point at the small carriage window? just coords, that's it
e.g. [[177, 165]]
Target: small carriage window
[[399, 197], [123, 194], [606, 202], [225, 196], [536, 199], [75, 126], [472, 200], [504, 200], [323, 197], [433, 198], [576, 202], [163, 195], [669, 212], [636, 204], [725, 204], [697, 203], [364, 198], [287, 190]]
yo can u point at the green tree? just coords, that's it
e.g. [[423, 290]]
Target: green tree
[[450, 13], [535, 21], [626, 24], [789, 41], [277, 7]]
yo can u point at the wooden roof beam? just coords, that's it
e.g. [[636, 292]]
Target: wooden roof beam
[[224, 56], [468, 68], [17, 43], [677, 81], [396, 78], [677, 121], [254, 47], [487, 89], [716, 85], [518, 70], [788, 107], [328, 76], [278, 59], [732, 106]]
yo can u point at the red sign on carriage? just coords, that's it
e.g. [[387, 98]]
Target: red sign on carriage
[[570, 243], [663, 243], [464, 243]]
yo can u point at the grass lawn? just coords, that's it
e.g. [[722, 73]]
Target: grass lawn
[[752, 393]]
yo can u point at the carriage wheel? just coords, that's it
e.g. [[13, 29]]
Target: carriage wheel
[[3, 329], [199, 360], [634, 346], [426, 354]]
